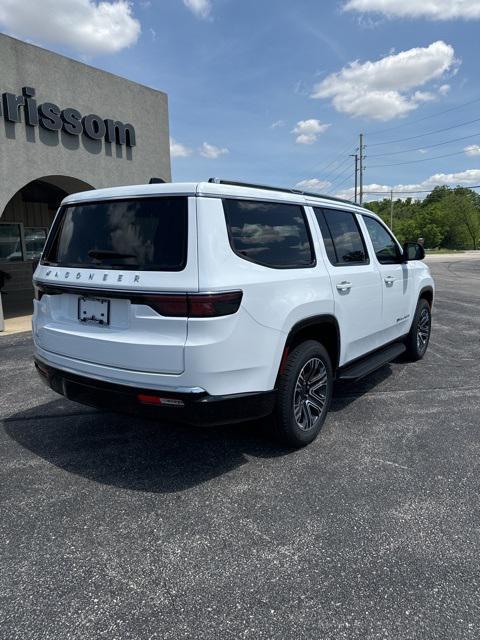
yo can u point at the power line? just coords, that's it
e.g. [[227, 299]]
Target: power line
[[433, 115], [332, 176], [398, 164], [341, 183], [340, 176], [422, 135], [323, 168], [428, 146], [341, 165]]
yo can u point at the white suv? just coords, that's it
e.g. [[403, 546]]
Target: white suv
[[217, 301]]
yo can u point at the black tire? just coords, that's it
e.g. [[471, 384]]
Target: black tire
[[298, 418], [419, 335]]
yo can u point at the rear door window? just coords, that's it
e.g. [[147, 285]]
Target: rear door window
[[343, 239], [269, 233], [141, 234]]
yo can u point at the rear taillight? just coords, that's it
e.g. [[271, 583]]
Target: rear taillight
[[209, 305], [191, 305], [166, 305]]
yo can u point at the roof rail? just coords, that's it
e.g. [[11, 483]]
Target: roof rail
[[282, 189]]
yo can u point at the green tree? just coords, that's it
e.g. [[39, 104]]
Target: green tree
[[446, 217]]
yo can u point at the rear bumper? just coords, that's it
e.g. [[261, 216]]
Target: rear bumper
[[196, 407]]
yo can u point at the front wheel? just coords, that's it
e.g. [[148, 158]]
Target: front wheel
[[419, 335], [304, 394]]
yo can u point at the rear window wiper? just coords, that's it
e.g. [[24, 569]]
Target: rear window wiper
[[105, 253]]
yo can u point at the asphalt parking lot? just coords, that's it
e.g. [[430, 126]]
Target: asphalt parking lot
[[118, 528]]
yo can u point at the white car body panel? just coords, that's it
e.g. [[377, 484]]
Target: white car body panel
[[238, 353]]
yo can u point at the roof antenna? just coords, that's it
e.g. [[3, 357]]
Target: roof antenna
[[157, 181]]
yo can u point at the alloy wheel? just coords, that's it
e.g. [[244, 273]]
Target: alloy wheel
[[310, 394], [423, 330]]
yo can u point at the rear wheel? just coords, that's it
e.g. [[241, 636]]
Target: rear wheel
[[419, 335], [304, 394]]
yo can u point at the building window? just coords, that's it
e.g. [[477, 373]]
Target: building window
[[10, 242], [35, 238]]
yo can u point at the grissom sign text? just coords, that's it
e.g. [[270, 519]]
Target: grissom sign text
[[51, 117]]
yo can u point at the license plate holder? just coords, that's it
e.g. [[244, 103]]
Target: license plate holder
[[94, 311]]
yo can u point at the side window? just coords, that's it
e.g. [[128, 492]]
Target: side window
[[385, 247], [268, 233], [327, 238], [342, 236]]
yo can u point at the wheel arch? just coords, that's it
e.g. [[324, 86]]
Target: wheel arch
[[323, 328], [427, 294]]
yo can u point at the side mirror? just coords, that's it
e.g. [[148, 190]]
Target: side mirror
[[413, 251], [35, 262]]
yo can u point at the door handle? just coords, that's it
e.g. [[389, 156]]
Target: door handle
[[389, 280], [344, 286]]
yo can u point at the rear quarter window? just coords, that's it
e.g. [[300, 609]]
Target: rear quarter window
[[271, 234]]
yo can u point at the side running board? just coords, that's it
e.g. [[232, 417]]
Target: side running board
[[370, 363]]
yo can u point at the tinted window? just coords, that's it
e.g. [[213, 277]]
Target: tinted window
[[385, 247], [271, 234], [327, 237], [146, 233], [10, 243], [343, 239]]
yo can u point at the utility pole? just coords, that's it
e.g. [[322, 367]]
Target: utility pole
[[391, 209], [361, 148], [355, 155]]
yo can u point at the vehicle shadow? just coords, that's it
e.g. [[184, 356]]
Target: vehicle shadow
[[134, 453], [139, 454], [345, 392]]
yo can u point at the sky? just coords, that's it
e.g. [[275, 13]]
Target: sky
[[278, 92]]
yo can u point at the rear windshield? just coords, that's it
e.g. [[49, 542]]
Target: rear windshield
[[142, 234]]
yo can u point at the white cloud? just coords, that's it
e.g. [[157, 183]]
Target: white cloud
[[423, 96], [307, 131], [179, 150], [277, 124], [313, 183], [384, 89], [472, 150], [444, 89], [211, 151], [84, 25], [465, 178], [201, 8], [433, 9]]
